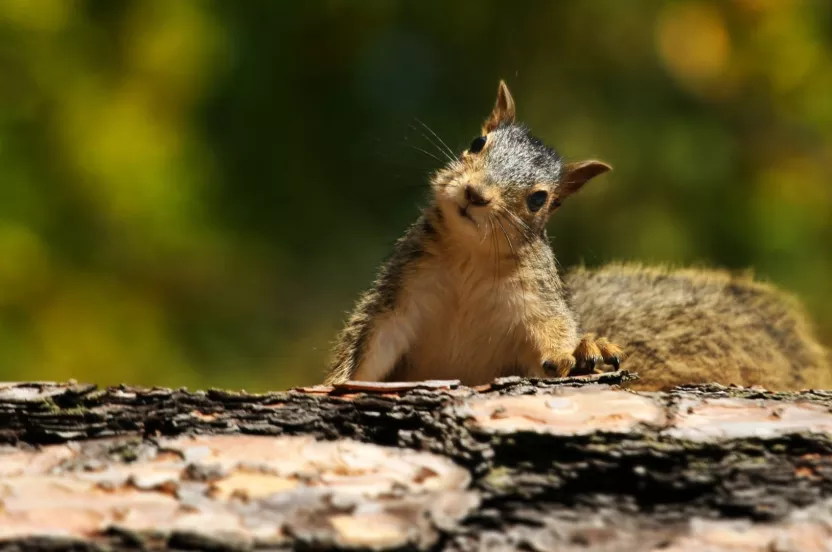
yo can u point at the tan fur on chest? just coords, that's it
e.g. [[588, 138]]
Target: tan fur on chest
[[470, 320]]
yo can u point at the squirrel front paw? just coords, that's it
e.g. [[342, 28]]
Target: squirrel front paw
[[589, 357]]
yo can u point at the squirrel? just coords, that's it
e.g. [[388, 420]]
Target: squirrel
[[695, 325], [472, 290]]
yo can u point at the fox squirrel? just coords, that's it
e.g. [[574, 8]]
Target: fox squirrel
[[472, 292]]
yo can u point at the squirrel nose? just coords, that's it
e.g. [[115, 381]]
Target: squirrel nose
[[474, 197]]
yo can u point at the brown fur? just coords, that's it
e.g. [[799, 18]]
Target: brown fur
[[697, 326], [472, 291]]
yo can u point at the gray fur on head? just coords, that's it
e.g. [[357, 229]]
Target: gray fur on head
[[516, 158]]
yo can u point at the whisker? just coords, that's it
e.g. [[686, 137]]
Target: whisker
[[450, 151], [516, 264], [439, 148], [496, 250], [428, 139], [429, 154], [526, 233], [508, 240], [520, 221], [518, 224]]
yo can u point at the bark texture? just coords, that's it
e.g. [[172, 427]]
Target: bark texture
[[575, 464]]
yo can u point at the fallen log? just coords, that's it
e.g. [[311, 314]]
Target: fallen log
[[569, 464]]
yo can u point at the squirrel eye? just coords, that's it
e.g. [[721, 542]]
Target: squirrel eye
[[536, 201], [477, 145]]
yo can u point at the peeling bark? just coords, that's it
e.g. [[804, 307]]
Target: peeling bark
[[571, 464]]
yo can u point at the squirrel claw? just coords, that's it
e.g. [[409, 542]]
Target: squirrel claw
[[560, 367], [592, 354], [587, 365], [589, 357], [612, 353]]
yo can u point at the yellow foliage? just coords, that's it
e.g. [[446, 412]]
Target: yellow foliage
[[694, 44]]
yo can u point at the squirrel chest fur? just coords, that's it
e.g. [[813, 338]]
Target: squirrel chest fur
[[472, 313]]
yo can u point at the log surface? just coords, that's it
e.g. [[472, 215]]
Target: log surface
[[575, 464]]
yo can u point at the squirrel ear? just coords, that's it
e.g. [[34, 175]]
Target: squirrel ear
[[575, 175], [503, 110]]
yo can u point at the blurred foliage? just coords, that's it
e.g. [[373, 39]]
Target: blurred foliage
[[193, 192]]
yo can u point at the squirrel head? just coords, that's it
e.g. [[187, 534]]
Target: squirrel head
[[508, 178]]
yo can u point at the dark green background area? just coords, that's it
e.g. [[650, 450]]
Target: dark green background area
[[194, 192]]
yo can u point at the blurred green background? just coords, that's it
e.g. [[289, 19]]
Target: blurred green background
[[194, 192]]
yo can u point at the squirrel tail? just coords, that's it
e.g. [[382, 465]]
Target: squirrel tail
[[681, 326]]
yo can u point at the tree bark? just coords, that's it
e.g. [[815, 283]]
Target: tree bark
[[571, 464]]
